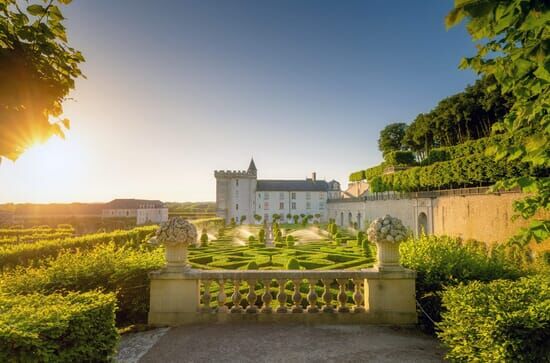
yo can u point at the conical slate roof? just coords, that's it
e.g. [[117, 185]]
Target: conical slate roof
[[252, 166]]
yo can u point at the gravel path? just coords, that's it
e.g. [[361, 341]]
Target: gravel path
[[280, 343]]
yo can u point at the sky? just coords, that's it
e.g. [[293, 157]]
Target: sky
[[177, 89]]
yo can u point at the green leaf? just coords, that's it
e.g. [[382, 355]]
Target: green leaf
[[36, 10]]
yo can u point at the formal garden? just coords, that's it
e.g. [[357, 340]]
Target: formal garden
[[58, 292]]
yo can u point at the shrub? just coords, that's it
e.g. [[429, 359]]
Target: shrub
[[333, 229], [261, 236], [292, 264], [445, 261], [252, 265], [58, 328], [290, 241], [400, 158], [367, 252], [360, 237], [204, 238], [122, 271], [500, 321], [24, 254], [251, 239], [357, 176]]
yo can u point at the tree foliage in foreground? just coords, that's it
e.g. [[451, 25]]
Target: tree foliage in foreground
[[513, 44], [37, 71]]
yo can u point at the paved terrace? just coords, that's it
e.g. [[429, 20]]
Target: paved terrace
[[257, 342]]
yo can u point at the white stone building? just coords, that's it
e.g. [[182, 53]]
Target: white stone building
[[240, 194], [145, 211]]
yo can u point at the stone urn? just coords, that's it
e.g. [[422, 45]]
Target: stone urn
[[388, 233], [176, 235]]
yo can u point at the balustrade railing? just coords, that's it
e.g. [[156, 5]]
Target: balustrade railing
[[282, 291]]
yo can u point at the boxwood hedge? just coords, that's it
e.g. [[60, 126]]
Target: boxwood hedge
[[58, 328], [500, 321]]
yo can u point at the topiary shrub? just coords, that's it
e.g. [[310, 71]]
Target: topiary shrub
[[251, 239], [360, 237], [73, 327], [292, 264], [252, 265], [204, 238], [290, 241], [500, 321], [261, 236], [367, 252]]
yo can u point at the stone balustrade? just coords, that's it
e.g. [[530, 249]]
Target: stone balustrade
[[369, 295]]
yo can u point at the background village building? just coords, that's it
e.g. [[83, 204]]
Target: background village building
[[145, 211]]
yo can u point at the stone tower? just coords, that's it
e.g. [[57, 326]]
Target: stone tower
[[235, 193]]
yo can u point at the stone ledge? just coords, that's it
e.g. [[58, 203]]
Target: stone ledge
[[192, 274], [378, 318]]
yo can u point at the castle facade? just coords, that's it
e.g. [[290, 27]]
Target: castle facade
[[241, 196]]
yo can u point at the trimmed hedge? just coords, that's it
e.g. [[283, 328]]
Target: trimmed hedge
[[468, 171], [500, 321], [442, 261], [400, 158], [26, 253], [58, 328], [121, 271]]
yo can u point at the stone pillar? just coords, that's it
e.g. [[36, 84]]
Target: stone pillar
[[390, 297], [174, 293]]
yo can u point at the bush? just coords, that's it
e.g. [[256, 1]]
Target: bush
[[58, 328], [122, 271], [251, 239], [357, 176], [252, 265], [500, 321], [204, 238], [360, 237], [261, 236], [26, 253], [290, 241], [367, 252], [400, 158], [444, 261], [292, 264]]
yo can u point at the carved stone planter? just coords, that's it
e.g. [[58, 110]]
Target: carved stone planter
[[176, 235], [387, 233], [387, 254]]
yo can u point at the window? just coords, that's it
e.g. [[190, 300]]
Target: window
[[308, 205], [293, 205], [321, 195], [237, 207], [282, 205], [321, 205], [237, 182], [266, 205], [266, 196], [308, 195], [293, 195], [281, 195]]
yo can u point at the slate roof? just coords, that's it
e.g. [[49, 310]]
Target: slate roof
[[292, 185], [133, 204]]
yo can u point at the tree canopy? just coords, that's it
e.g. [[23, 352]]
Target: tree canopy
[[37, 71], [391, 137]]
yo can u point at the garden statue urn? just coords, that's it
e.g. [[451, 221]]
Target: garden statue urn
[[176, 235], [387, 233]]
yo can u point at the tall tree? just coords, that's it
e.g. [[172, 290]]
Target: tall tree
[[37, 71], [513, 46], [391, 137]]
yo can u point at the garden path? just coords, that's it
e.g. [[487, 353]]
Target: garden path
[[247, 342]]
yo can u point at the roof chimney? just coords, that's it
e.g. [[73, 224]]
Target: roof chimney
[[314, 176]]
